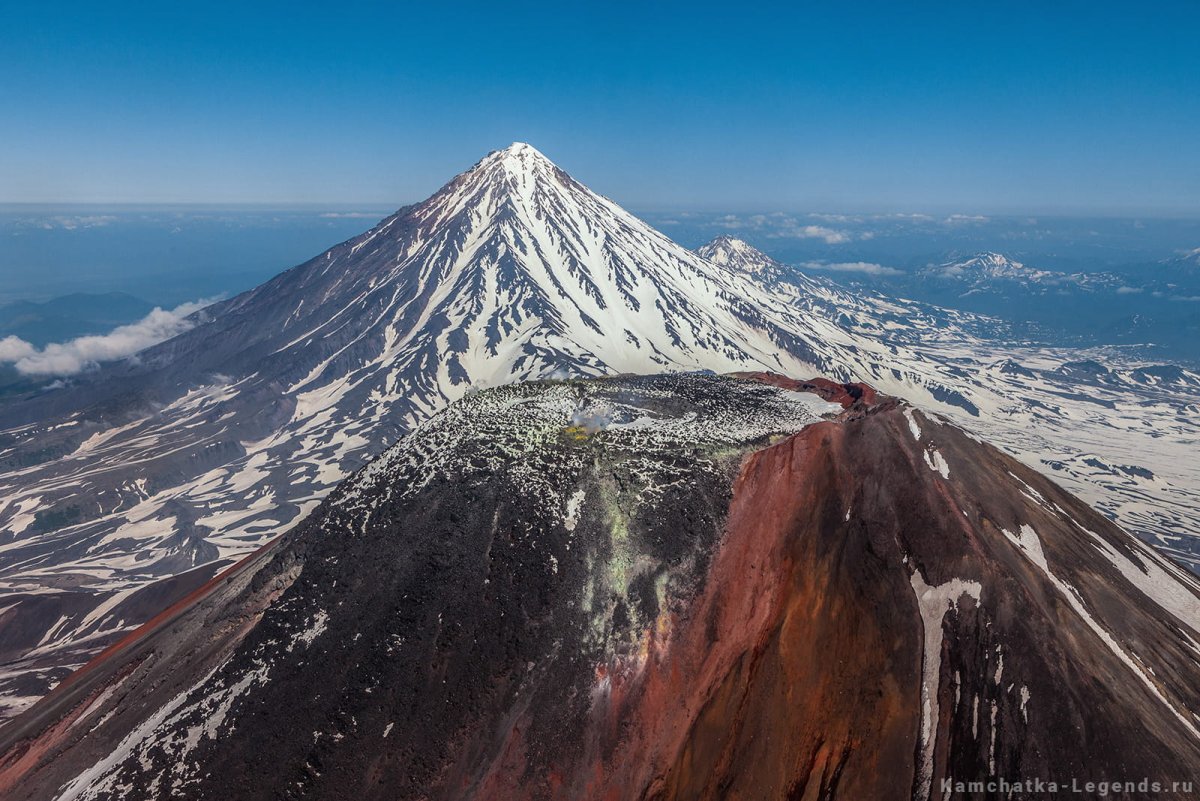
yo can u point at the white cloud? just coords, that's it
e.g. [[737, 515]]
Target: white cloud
[[960, 219], [82, 353], [829, 235], [13, 349], [72, 223], [1128, 290], [352, 215], [836, 218], [869, 268]]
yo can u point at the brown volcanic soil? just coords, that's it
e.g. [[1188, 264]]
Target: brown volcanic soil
[[787, 663], [130, 678], [857, 395], [797, 671], [794, 670]]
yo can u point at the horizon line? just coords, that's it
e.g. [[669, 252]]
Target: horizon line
[[390, 207]]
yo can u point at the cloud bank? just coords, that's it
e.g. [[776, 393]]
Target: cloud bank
[[782, 226], [828, 235], [866, 267], [82, 353], [13, 349]]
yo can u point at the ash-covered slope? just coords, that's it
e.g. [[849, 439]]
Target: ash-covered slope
[[671, 587]]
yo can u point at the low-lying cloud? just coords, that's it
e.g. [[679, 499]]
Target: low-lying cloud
[[13, 349], [83, 353], [779, 225], [72, 222], [829, 236], [865, 267]]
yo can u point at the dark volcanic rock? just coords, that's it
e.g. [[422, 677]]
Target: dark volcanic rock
[[675, 587]]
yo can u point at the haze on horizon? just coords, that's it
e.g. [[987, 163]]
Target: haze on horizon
[[1070, 108]]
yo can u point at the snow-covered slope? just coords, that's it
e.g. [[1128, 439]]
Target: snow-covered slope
[[988, 268], [133, 486], [737, 255], [987, 265], [1179, 272], [1190, 258]]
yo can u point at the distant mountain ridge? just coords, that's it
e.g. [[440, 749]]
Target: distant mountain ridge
[[989, 266], [1192, 257], [70, 316]]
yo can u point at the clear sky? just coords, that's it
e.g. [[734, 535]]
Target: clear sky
[[967, 106]]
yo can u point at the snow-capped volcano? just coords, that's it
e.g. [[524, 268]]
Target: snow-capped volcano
[[1184, 265], [991, 272], [985, 265], [1192, 257], [740, 256], [996, 269], [514, 270]]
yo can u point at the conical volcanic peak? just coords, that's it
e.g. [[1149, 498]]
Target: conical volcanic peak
[[519, 177], [738, 255], [521, 163], [515, 270], [520, 157]]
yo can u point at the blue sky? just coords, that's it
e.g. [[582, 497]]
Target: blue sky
[[998, 107]]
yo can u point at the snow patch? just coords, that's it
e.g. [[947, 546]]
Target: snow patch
[[316, 627], [1030, 544], [934, 603], [912, 423], [937, 463]]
